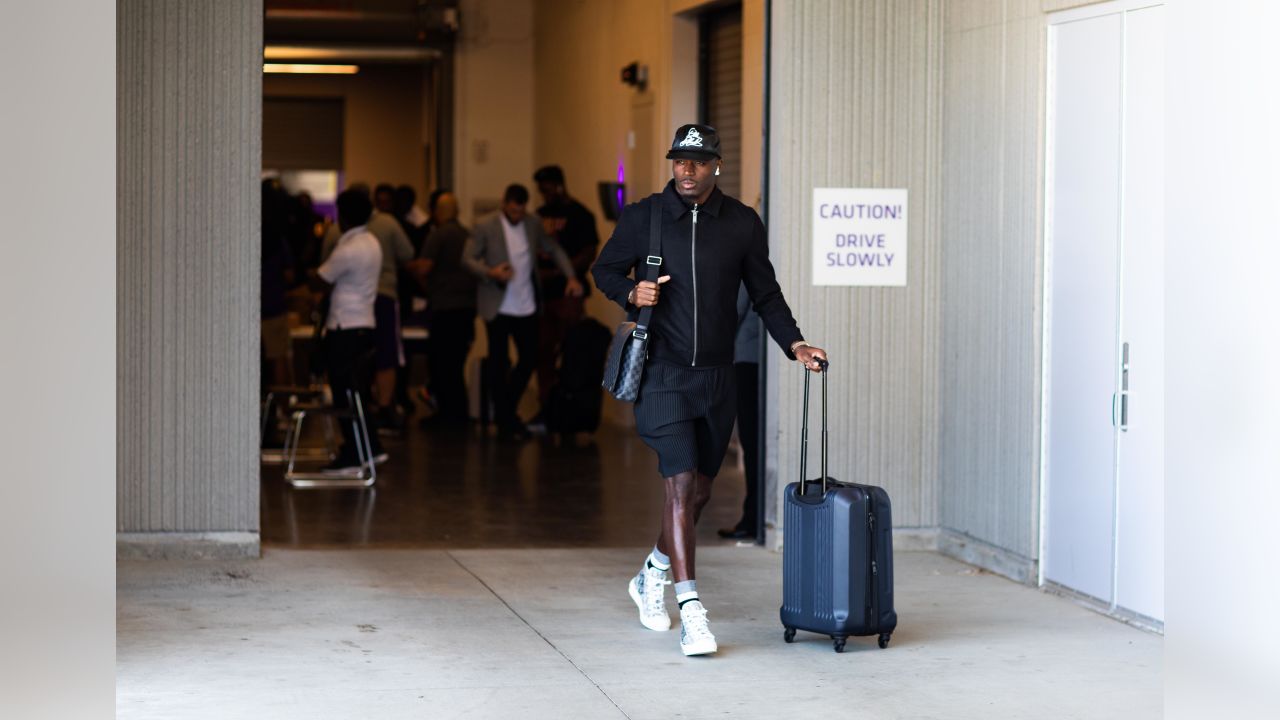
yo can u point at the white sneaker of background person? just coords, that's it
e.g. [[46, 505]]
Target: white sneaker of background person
[[647, 589], [695, 630]]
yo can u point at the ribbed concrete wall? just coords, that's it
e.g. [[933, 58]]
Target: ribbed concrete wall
[[855, 93], [993, 101], [189, 151]]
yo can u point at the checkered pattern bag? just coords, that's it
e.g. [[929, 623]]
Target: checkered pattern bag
[[624, 366]]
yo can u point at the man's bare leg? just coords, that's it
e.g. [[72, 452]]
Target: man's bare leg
[[687, 495], [647, 588]]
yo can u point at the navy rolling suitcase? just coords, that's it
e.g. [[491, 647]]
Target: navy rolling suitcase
[[837, 558]]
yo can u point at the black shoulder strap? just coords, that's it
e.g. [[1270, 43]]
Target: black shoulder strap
[[653, 263]]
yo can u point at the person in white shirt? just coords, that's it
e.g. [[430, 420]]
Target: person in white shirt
[[397, 252], [350, 276], [502, 255]]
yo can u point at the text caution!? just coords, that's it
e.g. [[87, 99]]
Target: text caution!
[[860, 236]]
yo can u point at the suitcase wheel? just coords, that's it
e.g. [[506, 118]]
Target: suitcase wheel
[[789, 635], [839, 644], [884, 640]]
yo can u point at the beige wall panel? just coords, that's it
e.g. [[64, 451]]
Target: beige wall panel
[[990, 375], [585, 112], [589, 123], [969, 14], [586, 116], [855, 91], [751, 163], [494, 102], [189, 129]]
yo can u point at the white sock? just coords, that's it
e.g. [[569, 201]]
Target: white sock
[[658, 561], [686, 591]]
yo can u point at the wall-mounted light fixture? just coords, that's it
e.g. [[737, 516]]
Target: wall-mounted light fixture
[[636, 75], [310, 69]]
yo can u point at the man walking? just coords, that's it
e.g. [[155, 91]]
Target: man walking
[[501, 254], [711, 243]]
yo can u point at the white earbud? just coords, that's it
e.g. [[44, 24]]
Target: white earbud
[[717, 171]]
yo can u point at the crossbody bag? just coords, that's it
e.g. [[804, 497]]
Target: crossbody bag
[[624, 368]]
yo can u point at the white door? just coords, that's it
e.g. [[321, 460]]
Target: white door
[[1104, 383], [1082, 266], [1140, 449]]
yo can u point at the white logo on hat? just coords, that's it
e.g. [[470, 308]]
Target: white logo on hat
[[692, 139]]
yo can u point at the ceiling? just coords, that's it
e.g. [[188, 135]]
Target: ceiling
[[388, 31]]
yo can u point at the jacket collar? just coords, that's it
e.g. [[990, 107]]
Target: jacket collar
[[674, 207]]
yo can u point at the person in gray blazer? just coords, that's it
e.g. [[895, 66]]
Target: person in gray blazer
[[502, 253]]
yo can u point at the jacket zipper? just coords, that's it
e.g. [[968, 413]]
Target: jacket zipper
[[693, 251]]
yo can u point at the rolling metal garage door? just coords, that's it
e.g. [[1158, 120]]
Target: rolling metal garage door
[[720, 91]]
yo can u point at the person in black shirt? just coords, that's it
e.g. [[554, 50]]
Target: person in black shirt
[[277, 275], [572, 225], [407, 288], [406, 199], [451, 291], [710, 244], [306, 229], [746, 368]]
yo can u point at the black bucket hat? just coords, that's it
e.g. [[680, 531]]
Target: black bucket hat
[[697, 142]]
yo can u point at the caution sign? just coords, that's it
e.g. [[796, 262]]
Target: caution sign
[[860, 237]]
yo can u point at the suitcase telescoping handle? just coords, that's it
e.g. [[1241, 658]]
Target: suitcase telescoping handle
[[804, 429]]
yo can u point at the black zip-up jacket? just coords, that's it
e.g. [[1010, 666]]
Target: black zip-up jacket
[[708, 250]]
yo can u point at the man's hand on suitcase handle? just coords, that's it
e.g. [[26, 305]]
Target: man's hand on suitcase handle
[[813, 358], [645, 293]]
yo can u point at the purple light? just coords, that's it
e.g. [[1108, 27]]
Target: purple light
[[622, 176]]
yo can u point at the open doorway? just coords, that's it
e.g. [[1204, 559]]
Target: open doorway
[[473, 96]]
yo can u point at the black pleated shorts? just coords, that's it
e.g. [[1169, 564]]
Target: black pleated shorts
[[686, 415]]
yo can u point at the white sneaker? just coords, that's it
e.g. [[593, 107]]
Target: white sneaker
[[647, 589], [695, 631]]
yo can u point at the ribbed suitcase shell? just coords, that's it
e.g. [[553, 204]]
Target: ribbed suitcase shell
[[837, 559], [837, 562]]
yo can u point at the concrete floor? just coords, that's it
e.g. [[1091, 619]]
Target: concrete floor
[[551, 633], [488, 580]]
